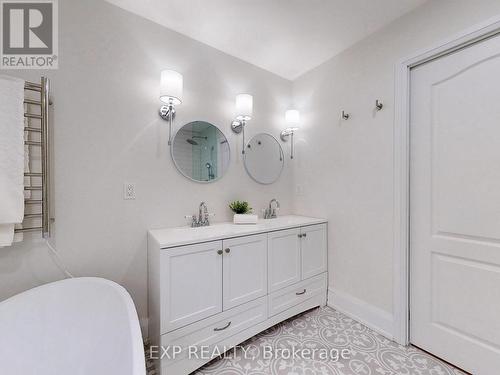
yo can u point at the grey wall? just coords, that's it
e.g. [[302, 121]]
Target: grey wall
[[107, 132], [345, 169]]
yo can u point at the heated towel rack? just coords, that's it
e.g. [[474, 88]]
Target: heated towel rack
[[37, 204]]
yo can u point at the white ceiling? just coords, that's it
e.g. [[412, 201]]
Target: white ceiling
[[286, 37]]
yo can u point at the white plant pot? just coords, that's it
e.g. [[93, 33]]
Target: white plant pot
[[245, 219]]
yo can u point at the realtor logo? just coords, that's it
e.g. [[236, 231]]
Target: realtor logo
[[29, 34]]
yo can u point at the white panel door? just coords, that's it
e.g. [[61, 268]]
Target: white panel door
[[284, 258], [244, 269], [191, 283], [313, 250], [455, 207]]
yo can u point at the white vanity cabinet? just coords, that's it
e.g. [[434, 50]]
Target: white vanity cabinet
[[244, 270], [312, 250], [296, 254], [284, 258], [191, 284], [220, 285]]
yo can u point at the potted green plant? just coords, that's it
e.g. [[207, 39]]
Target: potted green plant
[[242, 213]]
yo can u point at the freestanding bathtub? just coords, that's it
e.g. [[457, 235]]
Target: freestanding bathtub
[[82, 326]]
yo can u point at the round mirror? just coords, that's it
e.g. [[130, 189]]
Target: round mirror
[[201, 151], [264, 158]]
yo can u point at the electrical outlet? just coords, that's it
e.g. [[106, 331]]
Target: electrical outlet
[[128, 191]]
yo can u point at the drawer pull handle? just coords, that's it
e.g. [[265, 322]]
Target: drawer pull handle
[[223, 328], [301, 293]]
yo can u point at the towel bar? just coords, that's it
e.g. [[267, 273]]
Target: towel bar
[[33, 143], [30, 115], [33, 201], [31, 101], [31, 216], [33, 86], [34, 130], [43, 88], [29, 229]]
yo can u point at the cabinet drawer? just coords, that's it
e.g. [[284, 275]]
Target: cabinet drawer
[[209, 332], [293, 295]]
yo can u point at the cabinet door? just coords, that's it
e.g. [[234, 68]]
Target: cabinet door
[[244, 269], [314, 250], [191, 284], [283, 258]]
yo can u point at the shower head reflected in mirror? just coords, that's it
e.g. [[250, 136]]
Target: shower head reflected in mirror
[[191, 140], [201, 152]]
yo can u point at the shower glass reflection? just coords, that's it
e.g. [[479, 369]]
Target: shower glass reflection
[[201, 152]]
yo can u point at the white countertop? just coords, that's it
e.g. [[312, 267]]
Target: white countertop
[[170, 237]]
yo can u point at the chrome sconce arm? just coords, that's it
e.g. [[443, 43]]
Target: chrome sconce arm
[[292, 118], [167, 113], [171, 88], [238, 126], [285, 134], [244, 111]]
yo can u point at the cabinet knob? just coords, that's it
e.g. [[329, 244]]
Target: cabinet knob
[[304, 235], [228, 250], [219, 252], [299, 235]]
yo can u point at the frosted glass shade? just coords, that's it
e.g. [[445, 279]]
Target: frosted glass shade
[[244, 106], [171, 87], [292, 118]]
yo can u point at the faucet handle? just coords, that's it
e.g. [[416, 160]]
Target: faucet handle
[[192, 219], [206, 221], [274, 212]]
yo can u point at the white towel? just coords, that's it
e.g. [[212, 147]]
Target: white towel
[[11, 157], [19, 236], [27, 169]]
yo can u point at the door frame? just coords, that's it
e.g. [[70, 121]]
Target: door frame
[[401, 238]]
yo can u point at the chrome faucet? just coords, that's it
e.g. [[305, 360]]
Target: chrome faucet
[[203, 217], [203, 214], [270, 212]]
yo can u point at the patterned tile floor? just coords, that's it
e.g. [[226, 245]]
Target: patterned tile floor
[[326, 333]]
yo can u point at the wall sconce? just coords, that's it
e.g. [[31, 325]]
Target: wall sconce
[[292, 119], [244, 111], [171, 85]]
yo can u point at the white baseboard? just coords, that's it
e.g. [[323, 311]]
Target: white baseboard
[[371, 316]]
